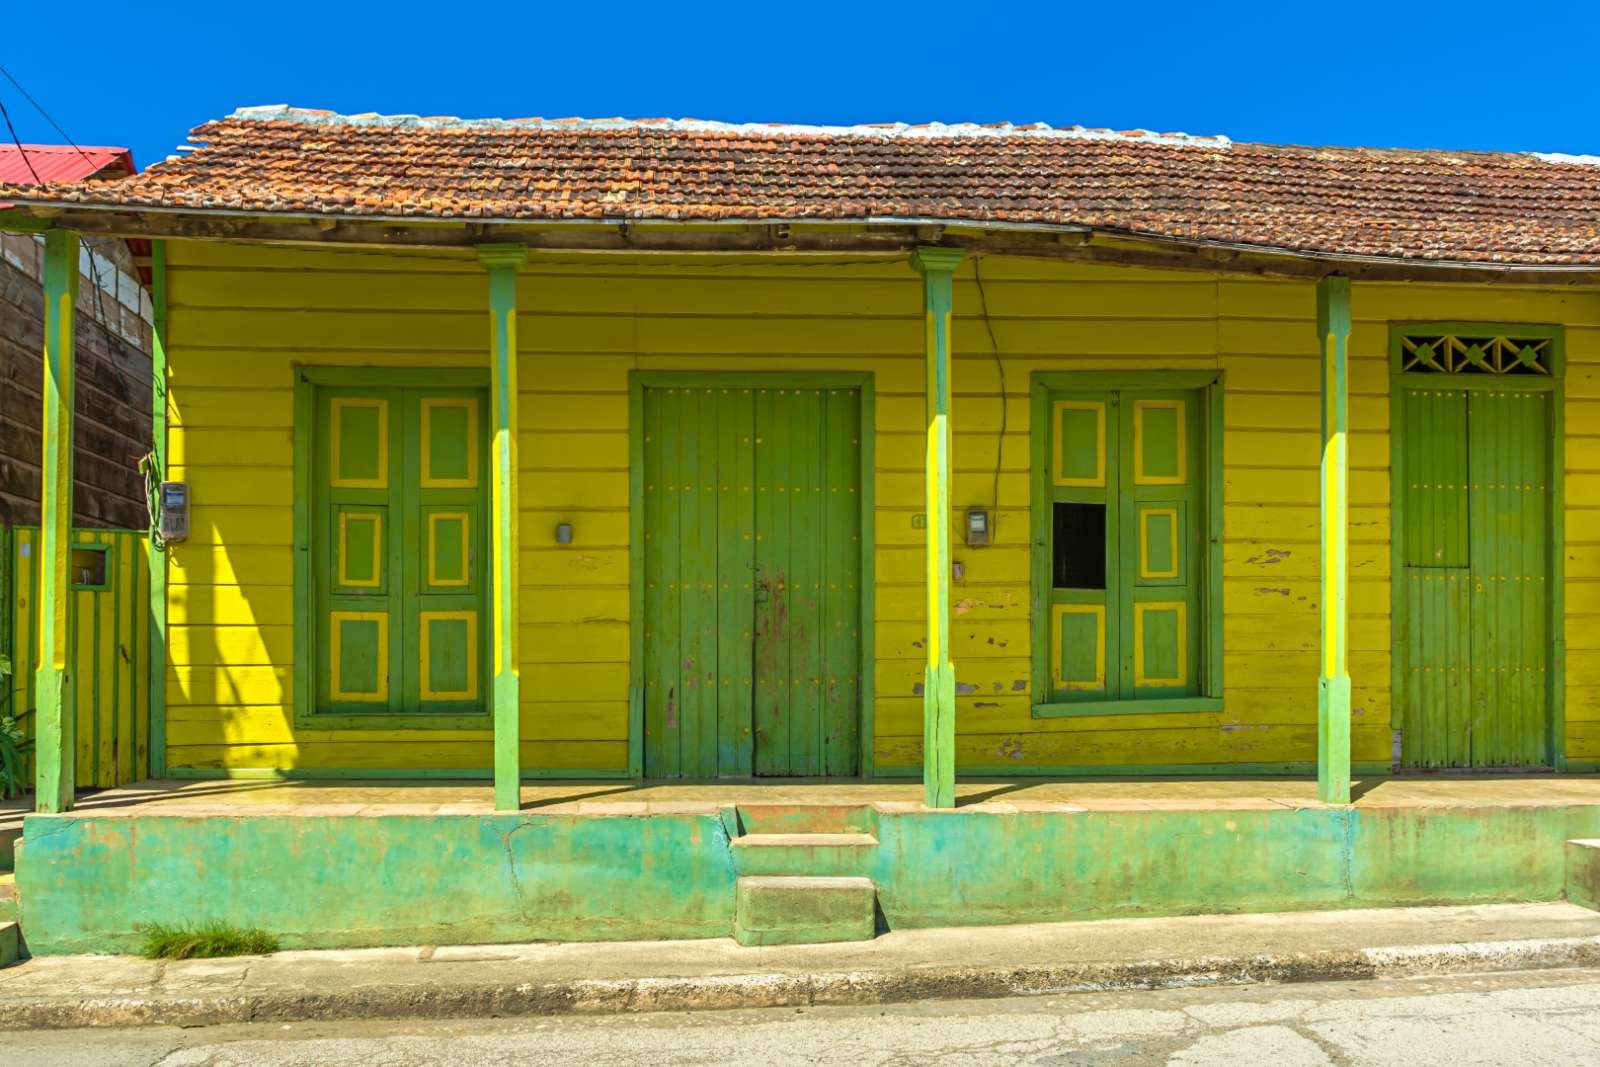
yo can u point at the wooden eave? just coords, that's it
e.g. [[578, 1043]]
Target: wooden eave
[[886, 237]]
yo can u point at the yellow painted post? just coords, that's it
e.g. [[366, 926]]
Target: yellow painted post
[[937, 266], [55, 752], [1333, 684], [502, 263]]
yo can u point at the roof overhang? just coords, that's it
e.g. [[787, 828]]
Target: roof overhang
[[799, 237]]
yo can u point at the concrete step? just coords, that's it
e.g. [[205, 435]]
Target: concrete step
[[10, 944], [818, 855], [806, 819], [1583, 873], [804, 910], [8, 898]]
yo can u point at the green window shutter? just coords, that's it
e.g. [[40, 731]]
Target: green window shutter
[[355, 549], [397, 544], [1083, 461], [1159, 495], [1124, 490]]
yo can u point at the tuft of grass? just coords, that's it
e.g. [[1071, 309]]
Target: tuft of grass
[[203, 941]]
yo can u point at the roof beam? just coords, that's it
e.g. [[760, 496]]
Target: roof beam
[[889, 238]]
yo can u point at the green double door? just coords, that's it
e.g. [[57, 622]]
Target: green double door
[[1473, 630], [752, 573], [399, 540]]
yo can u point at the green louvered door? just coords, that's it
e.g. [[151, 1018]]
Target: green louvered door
[[1474, 514], [399, 505], [1126, 484], [752, 555]]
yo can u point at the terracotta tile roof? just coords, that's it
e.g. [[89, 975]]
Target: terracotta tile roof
[[1401, 204]]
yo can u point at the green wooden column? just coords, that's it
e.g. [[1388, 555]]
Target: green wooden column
[[502, 263], [1333, 683], [937, 266], [54, 748]]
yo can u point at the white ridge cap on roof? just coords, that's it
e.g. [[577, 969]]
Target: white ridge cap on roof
[[283, 112], [1562, 157]]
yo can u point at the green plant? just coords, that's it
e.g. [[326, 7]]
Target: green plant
[[12, 744], [202, 941]]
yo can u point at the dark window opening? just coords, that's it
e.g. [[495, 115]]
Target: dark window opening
[[88, 568], [1078, 551]]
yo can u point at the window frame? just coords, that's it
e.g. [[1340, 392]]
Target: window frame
[[105, 566], [1210, 384]]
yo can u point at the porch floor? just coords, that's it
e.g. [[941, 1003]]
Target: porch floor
[[375, 797]]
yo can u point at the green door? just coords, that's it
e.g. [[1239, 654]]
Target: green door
[[752, 563], [1474, 535], [398, 549]]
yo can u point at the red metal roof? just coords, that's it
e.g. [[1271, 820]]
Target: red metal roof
[[51, 163], [62, 163]]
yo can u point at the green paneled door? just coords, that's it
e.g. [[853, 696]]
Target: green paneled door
[[752, 557], [1126, 483], [399, 536], [1474, 534]]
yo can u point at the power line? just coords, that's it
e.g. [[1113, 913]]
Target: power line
[[40, 109], [18, 142], [94, 268]]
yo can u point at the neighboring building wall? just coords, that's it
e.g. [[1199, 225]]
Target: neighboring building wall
[[112, 427], [241, 317]]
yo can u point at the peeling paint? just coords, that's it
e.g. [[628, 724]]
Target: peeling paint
[[89, 880]]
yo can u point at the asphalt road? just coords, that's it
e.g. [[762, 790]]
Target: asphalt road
[[1528, 1019]]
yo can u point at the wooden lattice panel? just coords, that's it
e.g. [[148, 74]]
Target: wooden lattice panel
[[1475, 354]]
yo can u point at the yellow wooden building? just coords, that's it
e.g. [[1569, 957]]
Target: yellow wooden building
[[1200, 457]]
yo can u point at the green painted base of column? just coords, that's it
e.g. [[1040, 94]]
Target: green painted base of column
[[1583, 873], [54, 745], [507, 742], [1333, 740], [939, 736]]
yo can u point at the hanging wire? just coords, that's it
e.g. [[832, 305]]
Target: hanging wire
[[152, 499], [1000, 366], [18, 142], [40, 109]]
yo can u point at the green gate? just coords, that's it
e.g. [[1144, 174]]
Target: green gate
[[752, 563], [1473, 469], [108, 650]]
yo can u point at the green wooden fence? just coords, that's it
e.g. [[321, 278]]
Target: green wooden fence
[[108, 646]]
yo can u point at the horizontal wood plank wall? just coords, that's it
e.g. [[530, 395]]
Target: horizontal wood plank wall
[[241, 316]]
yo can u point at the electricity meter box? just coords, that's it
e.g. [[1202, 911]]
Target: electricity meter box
[[174, 511]]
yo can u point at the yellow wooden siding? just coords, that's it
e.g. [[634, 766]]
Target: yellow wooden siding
[[241, 317]]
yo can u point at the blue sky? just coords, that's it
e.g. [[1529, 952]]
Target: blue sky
[[1523, 75]]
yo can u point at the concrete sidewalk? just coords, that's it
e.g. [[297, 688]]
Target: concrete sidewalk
[[612, 977]]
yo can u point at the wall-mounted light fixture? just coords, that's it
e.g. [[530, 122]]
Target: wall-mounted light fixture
[[564, 533]]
